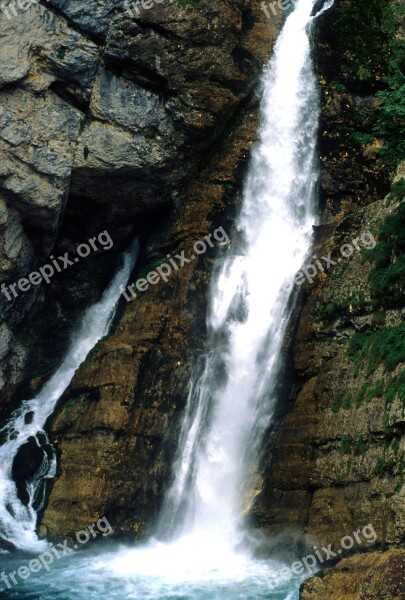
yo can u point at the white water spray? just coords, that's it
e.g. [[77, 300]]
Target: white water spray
[[18, 520]]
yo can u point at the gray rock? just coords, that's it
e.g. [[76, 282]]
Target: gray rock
[[103, 117], [91, 16], [38, 136], [5, 338], [127, 104], [39, 48]]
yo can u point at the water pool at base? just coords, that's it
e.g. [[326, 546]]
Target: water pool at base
[[155, 572]]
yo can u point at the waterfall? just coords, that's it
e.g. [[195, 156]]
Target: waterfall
[[17, 519], [231, 401]]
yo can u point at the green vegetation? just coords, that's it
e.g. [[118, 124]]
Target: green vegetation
[[61, 52], [365, 392], [330, 307], [386, 347], [391, 463], [361, 394], [400, 474], [395, 388], [343, 400], [395, 445], [397, 191], [70, 404], [339, 87], [74, 401], [362, 138], [391, 114], [387, 277], [365, 36], [151, 265], [384, 466], [378, 319], [361, 446], [361, 32], [345, 444], [84, 122], [229, 186], [335, 407], [349, 445], [185, 3], [347, 401], [375, 391], [368, 351]]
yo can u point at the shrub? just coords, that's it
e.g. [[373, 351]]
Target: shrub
[[345, 444], [384, 466], [385, 347], [387, 277], [391, 114]]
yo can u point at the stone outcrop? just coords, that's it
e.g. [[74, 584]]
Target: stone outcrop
[[363, 577], [338, 462]]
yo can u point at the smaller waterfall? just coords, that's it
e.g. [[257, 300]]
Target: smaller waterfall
[[17, 519]]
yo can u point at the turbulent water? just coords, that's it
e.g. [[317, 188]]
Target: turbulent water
[[201, 550], [18, 520]]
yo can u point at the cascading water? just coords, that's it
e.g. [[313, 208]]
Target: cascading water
[[231, 400], [18, 519], [230, 404]]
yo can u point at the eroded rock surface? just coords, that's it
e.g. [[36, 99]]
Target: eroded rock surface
[[364, 577]]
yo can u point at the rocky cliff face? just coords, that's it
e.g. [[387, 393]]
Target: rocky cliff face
[[138, 122]]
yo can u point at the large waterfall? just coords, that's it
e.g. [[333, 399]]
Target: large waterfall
[[231, 402], [17, 519]]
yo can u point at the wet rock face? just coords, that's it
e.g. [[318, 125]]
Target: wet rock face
[[365, 577], [134, 123], [104, 113]]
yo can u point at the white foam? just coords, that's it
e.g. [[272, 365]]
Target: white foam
[[17, 521]]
